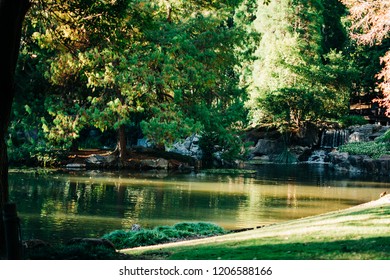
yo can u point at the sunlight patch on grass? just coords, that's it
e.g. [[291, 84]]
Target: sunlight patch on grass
[[357, 233]]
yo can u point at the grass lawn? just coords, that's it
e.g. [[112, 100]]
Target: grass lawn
[[361, 232]]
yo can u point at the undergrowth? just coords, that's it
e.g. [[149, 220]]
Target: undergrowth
[[375, 149]]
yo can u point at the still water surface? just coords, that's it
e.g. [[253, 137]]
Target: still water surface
[[59, 205]]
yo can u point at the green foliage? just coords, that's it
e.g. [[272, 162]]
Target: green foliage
[[295, 78], [201, 228], [169, 125], [368, 62], [146, 238], [350, 120], [372, 148], [112, 64], [385, 138], [162, 234]]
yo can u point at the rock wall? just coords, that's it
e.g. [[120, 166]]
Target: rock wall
[[319, 145], [361, 163]]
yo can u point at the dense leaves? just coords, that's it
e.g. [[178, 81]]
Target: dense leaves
[[165, 70], [111, 65], [370, 26], [293, 78]]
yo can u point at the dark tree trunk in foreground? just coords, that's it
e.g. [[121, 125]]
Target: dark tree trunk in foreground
[[122, 142], [12, 13]]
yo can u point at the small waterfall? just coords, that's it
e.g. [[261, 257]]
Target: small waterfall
[[333, 138], [318, 156]]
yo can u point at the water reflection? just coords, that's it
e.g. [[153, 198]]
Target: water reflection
[[57, 206]]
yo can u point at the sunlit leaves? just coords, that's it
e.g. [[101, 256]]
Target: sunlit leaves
[[293, 79], [115, 63]]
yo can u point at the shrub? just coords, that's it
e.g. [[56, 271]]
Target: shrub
[[119, 237], [351, 120], [373, 148], [162, 234], [146, 238]]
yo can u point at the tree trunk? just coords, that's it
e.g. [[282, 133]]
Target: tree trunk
[[122, 143], [12, 13]]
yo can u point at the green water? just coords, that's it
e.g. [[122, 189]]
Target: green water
[[58, 205]]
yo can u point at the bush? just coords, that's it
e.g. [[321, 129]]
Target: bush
[[146, 238], [351, 120], [162, 234], [385, 138], [373, 149]]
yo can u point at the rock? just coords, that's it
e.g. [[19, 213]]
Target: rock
[[366, 132], [188, 147], [75, 166], [34, 243], [143, 142], [101, 160], [267, 147], [159, 163], [301, 153], [357, 137], [307, 136], [360, 163], [337, 158], [136, 227], [95, 159]]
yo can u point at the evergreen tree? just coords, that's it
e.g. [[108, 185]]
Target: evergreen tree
[[294, 79], [112, 64]]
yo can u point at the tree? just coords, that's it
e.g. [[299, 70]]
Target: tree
[[294, 79], [12, 13], [112, 64], [370, 26]]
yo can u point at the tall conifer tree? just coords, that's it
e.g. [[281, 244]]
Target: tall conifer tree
[[293, 79]]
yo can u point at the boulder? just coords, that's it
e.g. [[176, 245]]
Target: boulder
[[35, 243], [158, 163], [101, 160], [136, 227], [365, 133], [267, 147], [360, 163], [188, 147], [307, 136]]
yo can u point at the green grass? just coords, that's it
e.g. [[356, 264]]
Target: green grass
[[361, 232]]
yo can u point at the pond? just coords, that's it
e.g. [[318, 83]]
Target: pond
[[58, 205]]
